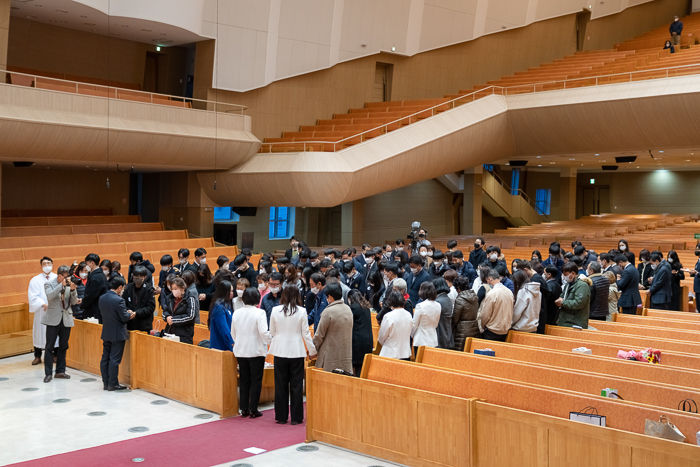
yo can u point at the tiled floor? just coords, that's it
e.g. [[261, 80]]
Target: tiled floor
[[325, 456], [33, 426]]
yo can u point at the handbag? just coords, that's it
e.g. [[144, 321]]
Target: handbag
[[687, 406], [156, 332], [588, 415], [663, 429]]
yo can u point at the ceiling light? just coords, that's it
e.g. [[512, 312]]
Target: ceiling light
[[661, 151], [572, 159], [687, 160], [539, 157], [539, 165], [507, 163], [597, 154]]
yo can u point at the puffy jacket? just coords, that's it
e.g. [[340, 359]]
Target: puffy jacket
[[526, 312], [599, 296], [613, 297], [464, 318], [80, 290], [183, 317], [576, 305], [142, 302]]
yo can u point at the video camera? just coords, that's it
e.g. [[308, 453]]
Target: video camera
[[413, 235]]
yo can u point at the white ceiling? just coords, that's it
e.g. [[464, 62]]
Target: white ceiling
[[75, 15]]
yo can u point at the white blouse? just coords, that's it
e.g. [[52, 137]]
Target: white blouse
[[395, 334], [289, 333], [425, 322], [249, 332]]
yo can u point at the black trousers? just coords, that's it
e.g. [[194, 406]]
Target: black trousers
[[63, 334], [493, 336], [661, 306], [37, 352], [112, 353], [629, 310], [598, 318], [251, 374], [289, 379]]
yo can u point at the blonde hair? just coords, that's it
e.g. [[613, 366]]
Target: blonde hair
[[610, 275]]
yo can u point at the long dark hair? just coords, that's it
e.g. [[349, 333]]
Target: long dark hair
[[204, 275], [355, 296], [519, 280], [222, 295], [290, 300]]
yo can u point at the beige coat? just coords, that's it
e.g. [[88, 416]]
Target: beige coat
[[496, 311], [333, 338]]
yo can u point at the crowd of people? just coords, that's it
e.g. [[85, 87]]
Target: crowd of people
[[421, 295]]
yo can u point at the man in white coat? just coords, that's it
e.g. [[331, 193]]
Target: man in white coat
[[38, 303]]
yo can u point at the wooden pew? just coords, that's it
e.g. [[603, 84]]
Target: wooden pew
[[663, 314], [636, 390], [431, 429], [684, 325], [660, 332], [15, 330]]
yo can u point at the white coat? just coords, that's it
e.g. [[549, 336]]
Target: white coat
[[289, 333], [395, 334], [249, 332], [526, 312], [37, 299], [425, 322]]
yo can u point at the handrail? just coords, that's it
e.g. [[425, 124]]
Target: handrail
[[519, 192], [492, 88], [238, 108]]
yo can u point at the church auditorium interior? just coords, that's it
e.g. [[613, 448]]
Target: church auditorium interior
[[350, 232]]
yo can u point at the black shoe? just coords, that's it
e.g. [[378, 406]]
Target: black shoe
[[61, 376], [245, 413], [281, 422], [256, 414], [48, 378], [118, 387], [104, 388], [297, 423]]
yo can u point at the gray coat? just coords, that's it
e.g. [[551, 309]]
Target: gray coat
[[57, 310], [333, 338], [444, 330]]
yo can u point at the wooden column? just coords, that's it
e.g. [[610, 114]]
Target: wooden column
[[567, 194], [471, 212], [352, 223]]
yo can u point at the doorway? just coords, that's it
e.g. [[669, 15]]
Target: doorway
[[595, 200], [150, 74], [381, 90], [582, 20]]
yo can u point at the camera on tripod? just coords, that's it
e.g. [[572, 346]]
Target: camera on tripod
[[415, 235]]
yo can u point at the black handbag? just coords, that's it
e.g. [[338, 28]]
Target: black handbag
[[688, 405]]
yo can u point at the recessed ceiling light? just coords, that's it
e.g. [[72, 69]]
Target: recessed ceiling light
[[597, 154], [539, 157], [539, 165], [552, 162], [687, 160], [661, 151], [572, 159], [507, 163]]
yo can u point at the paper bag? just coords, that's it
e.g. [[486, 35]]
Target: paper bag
[[663, 429], [588, 415], [171, 337]]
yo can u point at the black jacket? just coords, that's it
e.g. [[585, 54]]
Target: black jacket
[[599, 296], [114, 315], [552, 309], [80, 290], [628, 285], [545, 297], [434, 271], [645, 272], [183, 316], [249, 274], [476, 257], [150, 270], [362, 338], [95, 287], [208, 291], [660, 288], [413, 283], [142, 302]]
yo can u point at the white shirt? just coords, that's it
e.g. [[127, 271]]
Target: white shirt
[[249, 332], [36, 295], [290, 333], [477, 284], [453, 295], [395, 334], [426, 317]]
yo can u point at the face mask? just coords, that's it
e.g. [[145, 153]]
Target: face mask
[[87, 269], [107, 273], [535, 258], [165, 268], [225, 266], [83, 275], [295, 245], [315, 291], [444, 261], [697, 252], [239, 293], [203, 261], [623, 247], [399, 248], [183, 260], [430, 253], [139, 281], [567, 278], [653, 266], [421, 235], [477, 246], [493, 257], [369, 260], [274, 289], [177, 293], [315, 263], [262, 286], [414, 270], [121, 291], [47, 269], [328, 258], [424, 253]]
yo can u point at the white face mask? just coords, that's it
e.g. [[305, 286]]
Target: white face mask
[[183, 260], [623, 247], [424, 253], [225, 266], [567, 278], [203, 261], [315, 290], [87, 269], [445, 261], [328, 258], [315, 263], [239, 293], [414, 270], [430, 253], [262, 286], [369, 260], [165, 268], [106, 273], [83, 275], [653, 266], [399, 248], [47, 269], [274, 289], [493, 256]]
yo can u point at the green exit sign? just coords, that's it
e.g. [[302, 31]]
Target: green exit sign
[[592, 181], [697, 236]]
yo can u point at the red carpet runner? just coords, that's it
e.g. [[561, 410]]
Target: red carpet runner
[[203, 445]]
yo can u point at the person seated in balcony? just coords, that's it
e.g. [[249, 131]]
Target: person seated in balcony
[[668, 45]]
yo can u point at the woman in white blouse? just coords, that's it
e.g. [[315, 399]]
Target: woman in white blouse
[[251, 338], [395, 331], [289, 327], [426, 317]]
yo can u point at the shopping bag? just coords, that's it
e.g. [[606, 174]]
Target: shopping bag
[[588, 415], [688, 405], [171, 337], [663, 429], [488, 352]]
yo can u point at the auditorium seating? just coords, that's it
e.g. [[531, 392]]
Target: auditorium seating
[[67, 237], [641, 58]]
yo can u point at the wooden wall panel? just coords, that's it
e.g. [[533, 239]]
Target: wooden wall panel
[[85, 351], [15, 318]]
